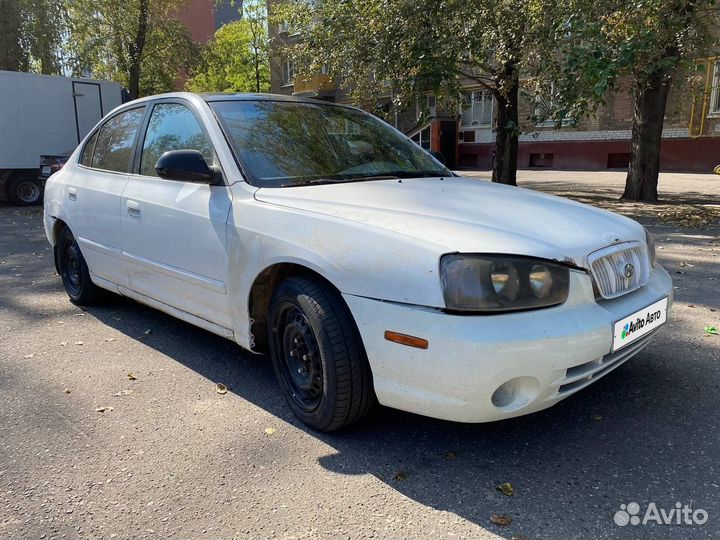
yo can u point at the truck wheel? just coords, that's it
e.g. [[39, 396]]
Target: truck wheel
[[25, 191], [318, 355], [74, 271]]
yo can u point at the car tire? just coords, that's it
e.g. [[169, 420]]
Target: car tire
[[25, 191], [318, 355], [74, 271]]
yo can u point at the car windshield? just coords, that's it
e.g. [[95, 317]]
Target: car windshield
[[286, 143]]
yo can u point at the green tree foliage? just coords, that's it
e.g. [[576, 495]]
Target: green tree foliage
[[138, 43], [31, 35], [236, 60], [435, 45], [651, 43]]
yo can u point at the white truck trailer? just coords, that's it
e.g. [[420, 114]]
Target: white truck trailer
[[43, 115]]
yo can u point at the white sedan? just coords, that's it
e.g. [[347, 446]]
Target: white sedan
[[368, 271]]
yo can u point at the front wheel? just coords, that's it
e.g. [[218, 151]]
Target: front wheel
[[318, 356], [74, 271]]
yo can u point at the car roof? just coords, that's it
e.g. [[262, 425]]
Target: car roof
[[238, 96], [212, 97]]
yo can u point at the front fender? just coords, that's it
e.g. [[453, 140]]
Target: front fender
[[357, 259]]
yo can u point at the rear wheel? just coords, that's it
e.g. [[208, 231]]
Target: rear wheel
[[318, 356], [74, 271], [25, 191]]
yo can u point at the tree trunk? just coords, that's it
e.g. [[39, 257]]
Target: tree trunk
[[641, 183], [257, 72], [13, 57], [136, 50], [506, 136]]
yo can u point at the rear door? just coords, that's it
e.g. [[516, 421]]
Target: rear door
[[94, 189], [88, 107], [174, 232]]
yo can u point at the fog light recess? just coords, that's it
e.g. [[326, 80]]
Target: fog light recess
[[516, 393]]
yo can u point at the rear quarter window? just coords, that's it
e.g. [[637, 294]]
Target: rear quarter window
[[87, 153], [115, 140]]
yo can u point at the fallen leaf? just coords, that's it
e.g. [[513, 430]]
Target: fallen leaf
[[131, 377], [63, 343], [596, 417], [221, 389], [450, 455], [103, 409], [29, 356], [269, 430], [711, 330], [506, 488], [500, 519], [399, 477], [78, 343], [148, 332], [67, 390], [109, 339]]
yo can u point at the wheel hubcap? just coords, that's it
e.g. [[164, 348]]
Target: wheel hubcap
[[71, 268], [300, 357], [27, 192]]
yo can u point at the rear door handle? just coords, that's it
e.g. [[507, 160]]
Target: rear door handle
[[72, 194], [133, 207]]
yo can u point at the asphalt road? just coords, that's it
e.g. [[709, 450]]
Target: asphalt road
[[174, 458]]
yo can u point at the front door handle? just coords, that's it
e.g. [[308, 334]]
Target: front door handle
[[72, 194], [133, 207]]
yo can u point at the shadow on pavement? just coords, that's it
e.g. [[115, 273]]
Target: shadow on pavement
[[643, 433]]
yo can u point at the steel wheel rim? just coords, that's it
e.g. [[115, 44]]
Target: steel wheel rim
[[27, 191], [72, 272], [299, 357]]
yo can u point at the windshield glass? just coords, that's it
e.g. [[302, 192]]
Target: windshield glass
[[284, 143]]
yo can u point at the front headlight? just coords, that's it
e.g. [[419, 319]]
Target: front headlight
[[650, 242], [502, 283]]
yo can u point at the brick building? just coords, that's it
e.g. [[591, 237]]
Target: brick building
[[691, 137], [204, 17]]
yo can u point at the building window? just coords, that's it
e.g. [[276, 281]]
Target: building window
[[427, 105], [288, 72], [422, 138], [715, 93], [544, 108], [477, 110]]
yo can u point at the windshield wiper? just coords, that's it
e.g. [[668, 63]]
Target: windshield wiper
[[392, 175], [360, 177]]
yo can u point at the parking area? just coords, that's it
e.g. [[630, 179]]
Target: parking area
[[111, 424]]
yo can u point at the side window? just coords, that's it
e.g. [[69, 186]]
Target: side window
[[172, 127], [113, 148], [87, 154]]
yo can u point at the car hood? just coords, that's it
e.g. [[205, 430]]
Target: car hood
[[467, 215]]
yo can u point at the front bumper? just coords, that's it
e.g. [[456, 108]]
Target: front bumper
[[481, 368]]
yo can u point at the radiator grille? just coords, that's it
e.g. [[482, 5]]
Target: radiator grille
[[620, 269]]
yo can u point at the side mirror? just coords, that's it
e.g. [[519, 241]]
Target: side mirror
[[438, 156], [184, 165]]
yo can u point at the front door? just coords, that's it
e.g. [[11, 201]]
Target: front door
[[174, 232], [448, 142]]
